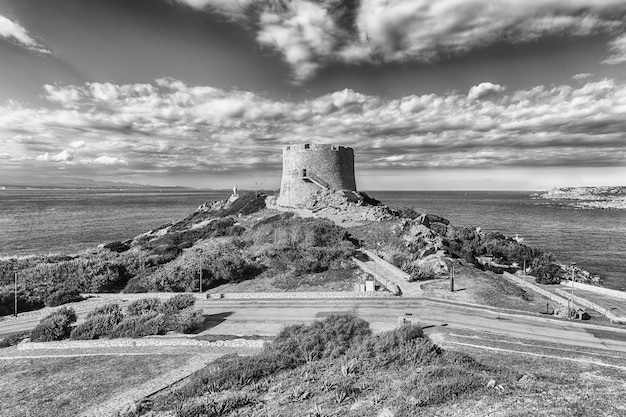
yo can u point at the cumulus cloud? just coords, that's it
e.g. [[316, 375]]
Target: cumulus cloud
[[63, 156], [109, 160], [17, 34], [483, 90], [168, 127], [618, 50], [311, 34]]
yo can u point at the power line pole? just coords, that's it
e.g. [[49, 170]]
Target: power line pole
[[15, 293]]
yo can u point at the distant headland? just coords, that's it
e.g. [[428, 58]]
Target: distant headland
[[589, 197]]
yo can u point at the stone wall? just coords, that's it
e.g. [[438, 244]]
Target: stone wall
[[598, 290], [285, 295], [146, 342], [522, 282], [333, 164]]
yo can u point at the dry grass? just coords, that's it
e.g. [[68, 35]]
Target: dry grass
[[484, 287], [66, 386], [557, 387]]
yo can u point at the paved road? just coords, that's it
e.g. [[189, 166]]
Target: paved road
[[267, 317]]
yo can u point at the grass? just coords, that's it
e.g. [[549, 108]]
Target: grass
[[334, 367], [552, 386], [67, 386]]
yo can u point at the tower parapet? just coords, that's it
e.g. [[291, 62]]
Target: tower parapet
[[310, 167]]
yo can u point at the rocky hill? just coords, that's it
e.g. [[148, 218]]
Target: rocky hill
[[589, 197]]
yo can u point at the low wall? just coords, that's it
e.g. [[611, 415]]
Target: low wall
[[598, 290], [137, 296], [523, 283], [116, 343], [286, 295], [590, 304]]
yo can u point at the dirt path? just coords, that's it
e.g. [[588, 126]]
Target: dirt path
[[125, 400]]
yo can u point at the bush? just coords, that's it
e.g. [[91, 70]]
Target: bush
[[56, 326], [13, 339], [328, 338], [144, 306], [107, 309], [99, 322], [177, 303], [27, 300], [545, 269], [188, 321], [62, 295], [147, 324]]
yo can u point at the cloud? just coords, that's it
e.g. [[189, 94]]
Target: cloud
[[15, 33], [483, 90], [169, 128], [234, 9], [63, 156], [303, 32], [618, 50], [109, 160], [312, 34]]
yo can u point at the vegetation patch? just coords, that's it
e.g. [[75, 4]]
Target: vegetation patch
[[331, 366]]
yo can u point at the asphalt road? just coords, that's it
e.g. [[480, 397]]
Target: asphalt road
[[267, 317]]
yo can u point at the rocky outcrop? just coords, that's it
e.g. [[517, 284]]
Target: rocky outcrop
[[588, 197], [418, 235], [343, 206]]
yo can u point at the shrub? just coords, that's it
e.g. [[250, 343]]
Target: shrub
[[13, 339], [188, 321], [62, 295], [140, 325], [546, 270], [143, 306], [27, 300], [177, 303], [99, 322], [56, 326], [107, 309], [328, 338]]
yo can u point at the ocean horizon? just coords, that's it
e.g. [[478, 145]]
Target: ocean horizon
[[38, 222]]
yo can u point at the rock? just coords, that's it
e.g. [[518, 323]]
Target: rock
[[527, 380], [386, 412], [491, 383], [423, 219]]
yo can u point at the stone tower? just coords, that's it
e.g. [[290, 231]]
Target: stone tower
[[309, 167]]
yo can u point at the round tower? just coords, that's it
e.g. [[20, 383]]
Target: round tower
[[309, 167]]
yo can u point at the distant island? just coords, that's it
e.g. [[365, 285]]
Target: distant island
[[589, 197], [80, 184]]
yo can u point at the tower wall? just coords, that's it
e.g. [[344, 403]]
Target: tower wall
[[309, 167]]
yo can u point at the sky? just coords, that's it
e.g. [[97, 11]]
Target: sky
[[431, 94]]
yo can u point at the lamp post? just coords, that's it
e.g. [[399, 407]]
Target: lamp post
[[452, 279], [15, 291], [572, 283]]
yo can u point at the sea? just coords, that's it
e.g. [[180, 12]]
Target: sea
[[70, 221]]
